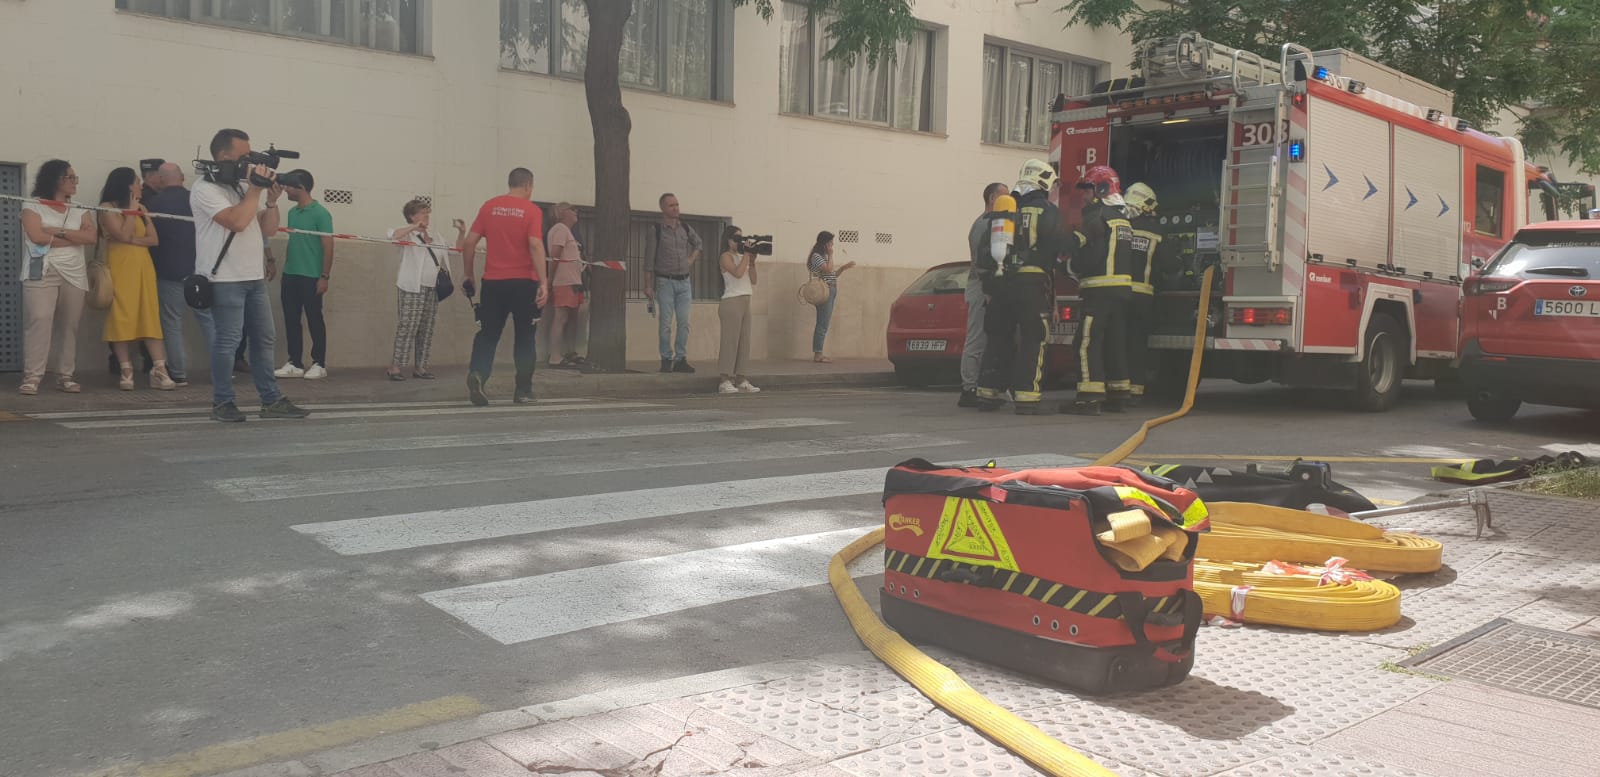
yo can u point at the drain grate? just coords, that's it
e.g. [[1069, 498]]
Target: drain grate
[[1539, 662]]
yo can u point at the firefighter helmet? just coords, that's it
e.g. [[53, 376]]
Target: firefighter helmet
[[1038, 174], [1103, 180], [1142, 199]]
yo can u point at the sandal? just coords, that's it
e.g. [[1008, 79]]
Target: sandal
[[125, 382], [29, 388], [394, 375], [820, 359], [68, 386]]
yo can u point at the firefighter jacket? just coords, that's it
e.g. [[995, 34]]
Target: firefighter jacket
[[1102, 250], [1039, 243], [1152, 254]]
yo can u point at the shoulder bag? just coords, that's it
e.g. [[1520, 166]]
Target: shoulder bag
[[443, 286]]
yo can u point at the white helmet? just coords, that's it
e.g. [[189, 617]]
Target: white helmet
[[1036, 174], [1141, 198]]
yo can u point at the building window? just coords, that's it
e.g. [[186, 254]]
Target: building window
[[1018, 87], [387, 25], [1491, 198], [897, 94], [669, 46]]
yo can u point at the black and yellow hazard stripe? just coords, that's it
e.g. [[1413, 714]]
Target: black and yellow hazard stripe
[[1095, 604]]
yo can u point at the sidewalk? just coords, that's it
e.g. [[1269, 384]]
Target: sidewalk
[[1261, 701], [371, 385]]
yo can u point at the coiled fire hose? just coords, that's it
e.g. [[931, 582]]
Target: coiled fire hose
[[943, 686]]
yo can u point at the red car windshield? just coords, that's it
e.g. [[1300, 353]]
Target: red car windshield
[[943, 280], [1550, 255]]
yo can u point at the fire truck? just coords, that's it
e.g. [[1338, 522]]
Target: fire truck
[[1342, 218]]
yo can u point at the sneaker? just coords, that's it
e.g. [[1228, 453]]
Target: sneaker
[[666, 365], [682, 365], [317, 372], [475, 390], [727, 387], [180, 381], [288, 370], [969, 398], [228, 412], [747, 387], [283, 408], [523, 398]]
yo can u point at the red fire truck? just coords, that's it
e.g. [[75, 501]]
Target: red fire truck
[[1343, 219]]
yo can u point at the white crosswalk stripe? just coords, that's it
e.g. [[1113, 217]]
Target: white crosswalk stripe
[[360, 536], [271, 487], [377, 414], [512, 611], [151, 412]]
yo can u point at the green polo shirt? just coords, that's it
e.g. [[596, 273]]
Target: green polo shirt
[[305, 251]]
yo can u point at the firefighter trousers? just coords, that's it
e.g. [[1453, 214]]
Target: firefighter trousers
[[1141, 312], [1103, 343], [1016, 324]]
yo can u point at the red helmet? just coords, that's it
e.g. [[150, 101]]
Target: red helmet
[[1103, 180]]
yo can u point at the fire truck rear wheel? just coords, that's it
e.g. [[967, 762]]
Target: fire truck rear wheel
[[1382, 369]]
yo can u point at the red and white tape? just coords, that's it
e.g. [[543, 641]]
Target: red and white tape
[[610, 265]]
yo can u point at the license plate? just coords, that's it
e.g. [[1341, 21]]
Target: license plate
[[1067, 329], [1567, 307], [926, 345]]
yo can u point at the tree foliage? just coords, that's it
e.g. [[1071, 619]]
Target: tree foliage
[[1493, 54]]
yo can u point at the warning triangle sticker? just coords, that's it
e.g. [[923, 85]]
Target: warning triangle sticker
[[1205, 477], [969, 533]]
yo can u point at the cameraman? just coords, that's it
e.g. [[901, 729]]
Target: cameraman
[[230, 226]]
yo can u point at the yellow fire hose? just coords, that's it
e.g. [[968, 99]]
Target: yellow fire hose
[[943, 686], [1242, 592]]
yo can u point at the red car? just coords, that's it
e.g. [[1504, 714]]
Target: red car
[[928, 330], [1531, 323]]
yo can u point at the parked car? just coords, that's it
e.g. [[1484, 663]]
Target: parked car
[[1531, 323], [928, 330]]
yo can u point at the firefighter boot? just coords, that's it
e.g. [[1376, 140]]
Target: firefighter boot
[[1117, 402], [1081, 407], [1032, 408], [990, 400]]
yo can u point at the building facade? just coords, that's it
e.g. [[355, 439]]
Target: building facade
[[393, 99]]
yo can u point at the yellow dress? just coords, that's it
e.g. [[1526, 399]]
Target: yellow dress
[[135, 312]]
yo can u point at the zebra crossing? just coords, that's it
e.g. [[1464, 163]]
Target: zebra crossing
[[788, 491]]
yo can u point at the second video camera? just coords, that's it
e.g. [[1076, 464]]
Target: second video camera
[[241, 169], [760, 245]]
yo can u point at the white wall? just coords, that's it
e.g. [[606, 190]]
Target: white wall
[[104, 88]]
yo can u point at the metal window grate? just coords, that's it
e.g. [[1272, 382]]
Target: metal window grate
[[338, 197], [10, 269], [849, 236], [1539, 662], [884, 238]]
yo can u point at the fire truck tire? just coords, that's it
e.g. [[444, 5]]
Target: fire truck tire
[[1382, 369], [1491, 409]]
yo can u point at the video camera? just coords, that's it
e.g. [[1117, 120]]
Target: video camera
[[237, 170], [760, 245]]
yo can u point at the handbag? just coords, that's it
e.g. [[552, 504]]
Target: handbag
[[197, 288], [100, 291], [814, 291], [443, 286]]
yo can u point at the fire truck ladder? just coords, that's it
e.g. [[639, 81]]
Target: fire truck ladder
[[1189, 59], [1252, 178]]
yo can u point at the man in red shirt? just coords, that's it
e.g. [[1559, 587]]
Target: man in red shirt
[[513, 228]]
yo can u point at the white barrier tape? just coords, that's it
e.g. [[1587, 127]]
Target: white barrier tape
[[610, 265]]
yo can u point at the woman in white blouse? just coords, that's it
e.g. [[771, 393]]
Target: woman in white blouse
[[55, 279], [419, 268]]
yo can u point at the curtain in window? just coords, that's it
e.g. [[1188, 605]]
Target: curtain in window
[[994, 90], [574, 36], [1049, 83], [390, 25], [794, 61], [911, 80], [871, 102], [1019, 97], [305, 17], [640, 60], [833, 79], [1081, 79], [256, 13], [690, 29], [525, 35]]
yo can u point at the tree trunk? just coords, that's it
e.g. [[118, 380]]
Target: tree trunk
[[608, 321]]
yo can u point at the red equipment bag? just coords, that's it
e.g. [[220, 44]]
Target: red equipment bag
[[1005, 566]]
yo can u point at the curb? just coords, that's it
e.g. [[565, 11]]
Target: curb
[[399, 745]]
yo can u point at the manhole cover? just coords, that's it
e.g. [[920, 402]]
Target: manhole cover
[[1520, 658]]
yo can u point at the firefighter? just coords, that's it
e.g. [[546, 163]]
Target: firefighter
[[1151, 255], [1021, 292], [1102, 259]]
